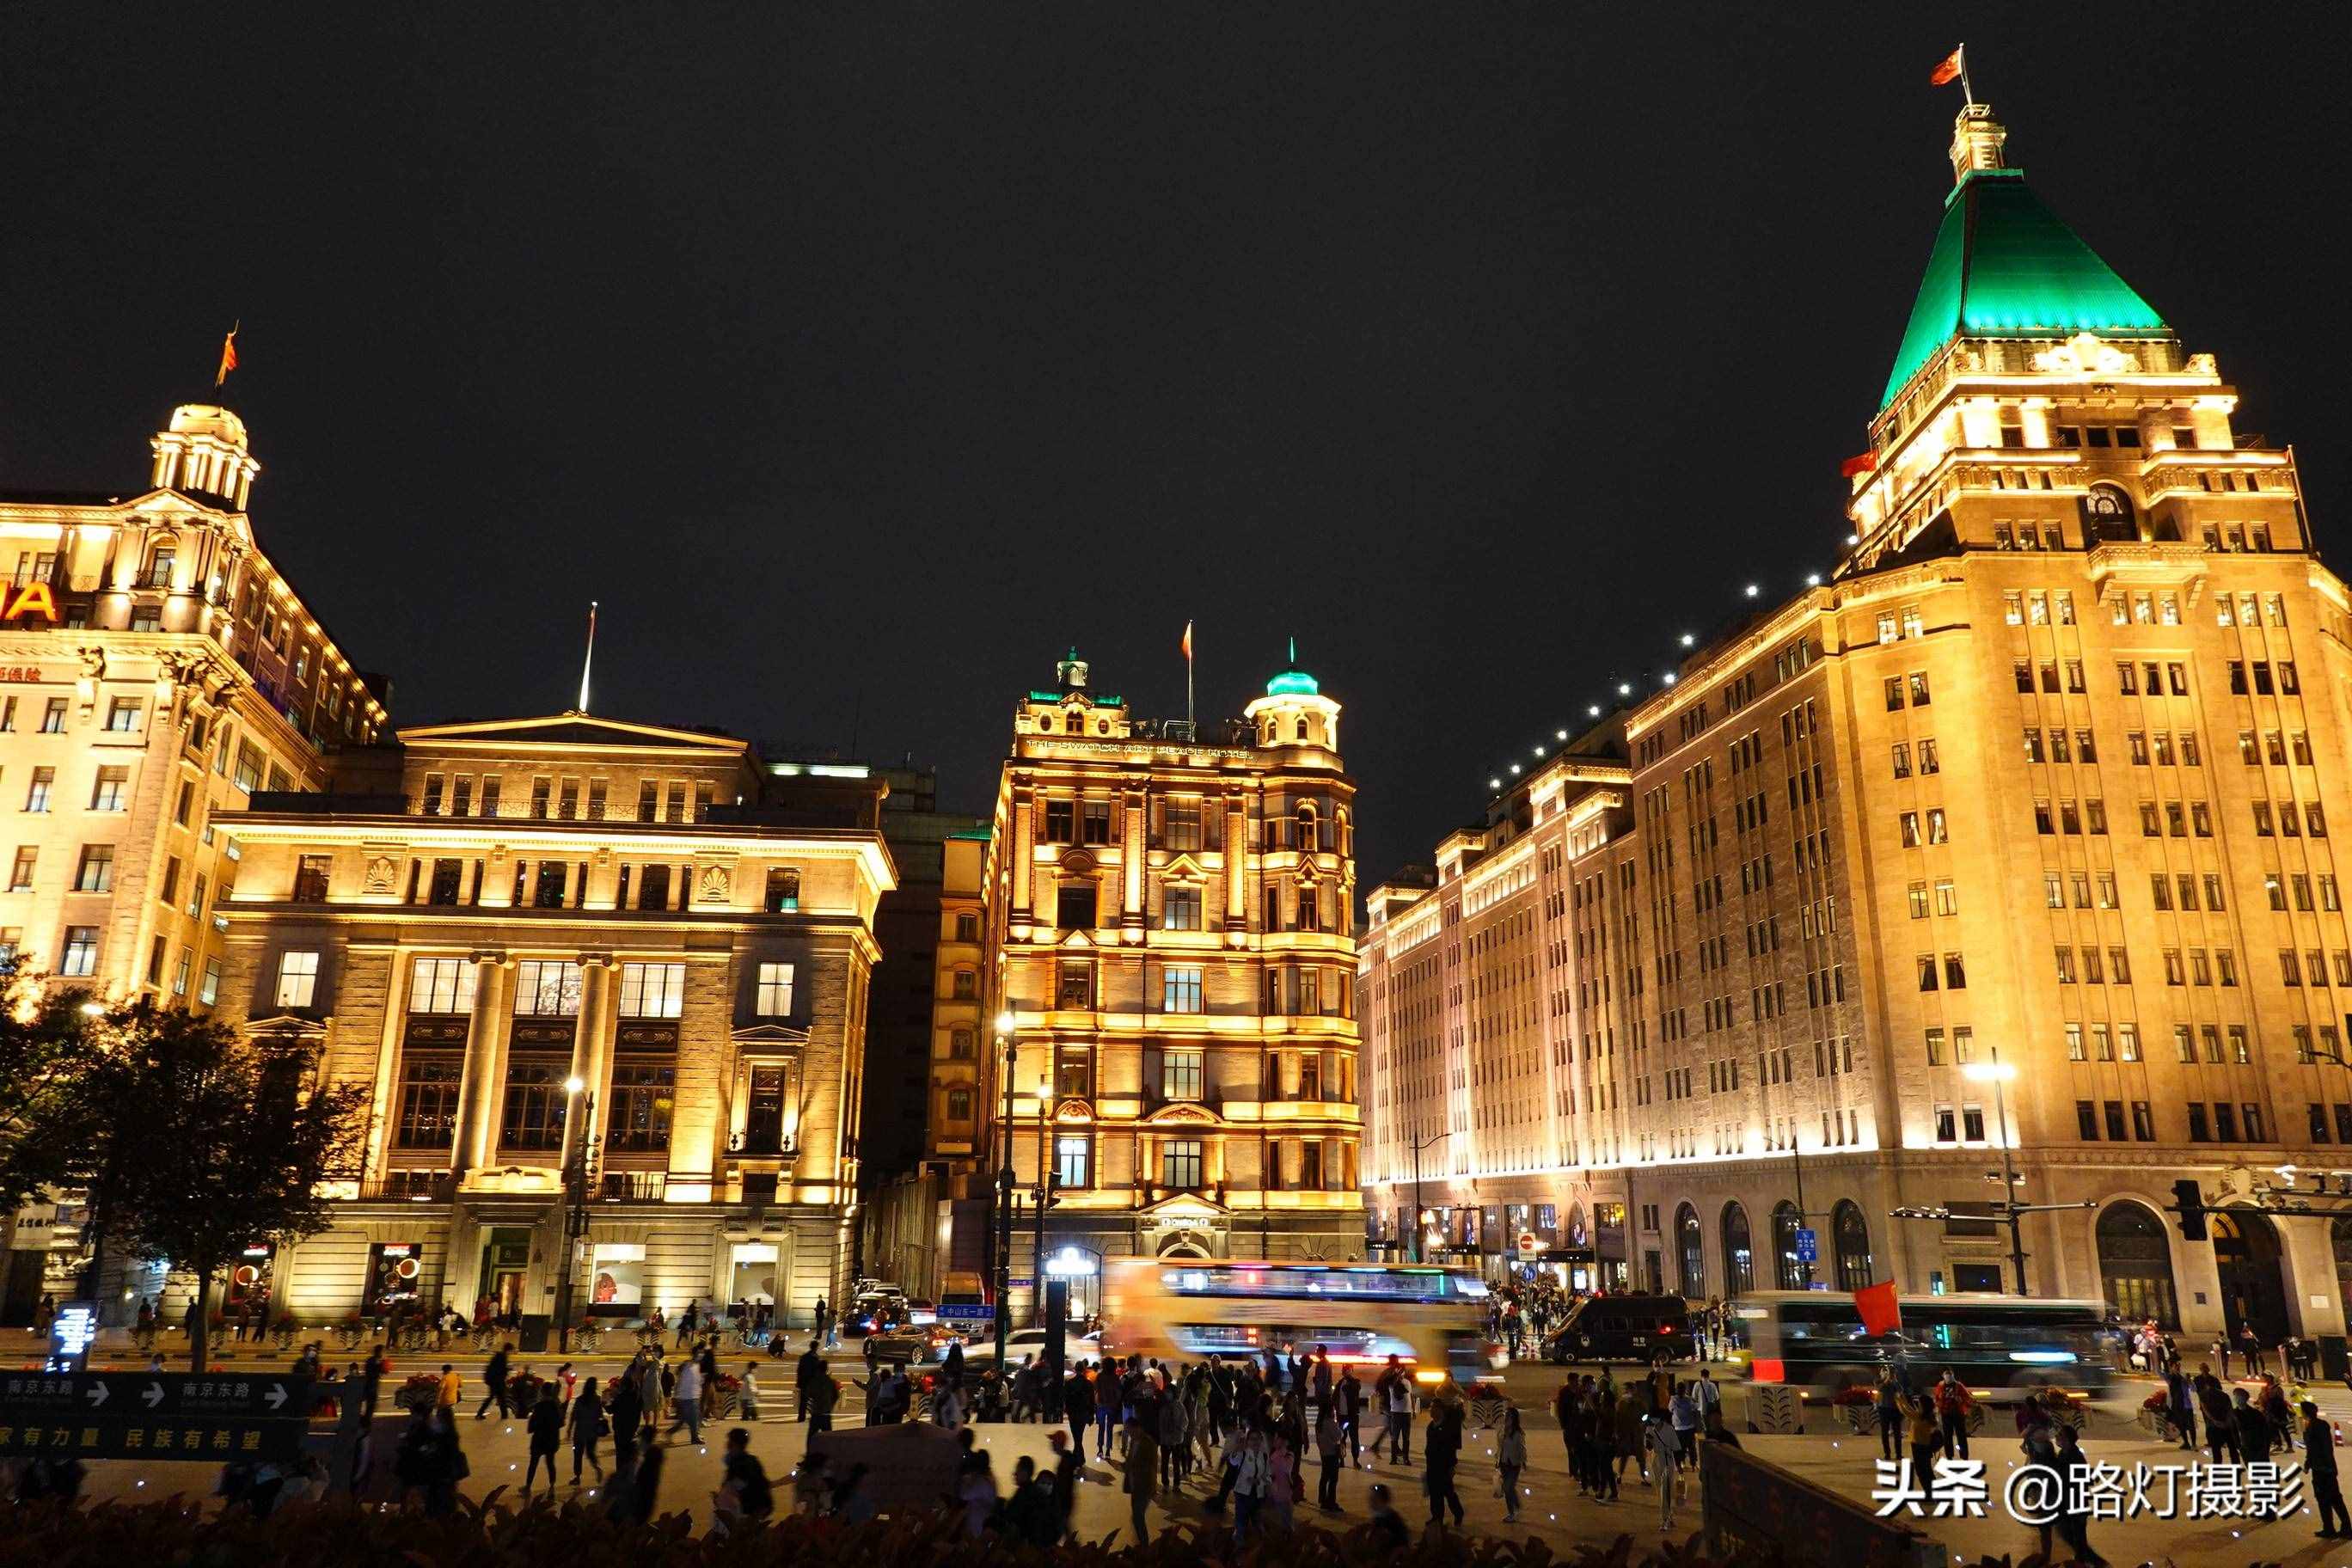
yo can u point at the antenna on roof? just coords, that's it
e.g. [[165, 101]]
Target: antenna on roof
[[588, 660]]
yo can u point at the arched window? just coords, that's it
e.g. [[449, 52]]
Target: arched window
[[1302, 726], [1792, 1273], [2136, 1264], [159, 567], [1690, 1253], [1850, 1234], [2108, 511], [1305, 825], [1738, 1252]]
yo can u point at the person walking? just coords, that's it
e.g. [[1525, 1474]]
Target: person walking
[[1666, 1448], [1079, 1406], [1326, 1453], [452, 1385], [2319, 1467], [1510, 1458], [1249, 1469], [1441, 1451], [494, 1378], [1920, 1431], [2180, 1407], [742, 1475], [1351, 1396], [750, 1392], [1890, 1412], [625, 1410], [586, 1425], [1396, 1393], [545, 1425], [823, 1398], [2074, 1506], [806, 1374], [1142, 1469], [686, 1404], [1953, 1403]]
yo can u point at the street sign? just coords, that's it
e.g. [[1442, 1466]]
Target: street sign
[[72, 1333], [258, 1396], [1808, 1246], [153, 1415], [966, 1312], [1022, 1284]]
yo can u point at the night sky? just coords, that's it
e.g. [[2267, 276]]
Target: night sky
[[859, 360]]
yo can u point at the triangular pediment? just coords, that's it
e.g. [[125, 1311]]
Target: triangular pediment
[[1184, 867], [775, 1035], [572, 730], [286, 1025], [1077, 939]]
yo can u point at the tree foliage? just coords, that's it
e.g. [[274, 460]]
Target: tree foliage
[[196, 1141], [45, 1046]]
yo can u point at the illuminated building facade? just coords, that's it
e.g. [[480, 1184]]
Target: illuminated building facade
[[155, 670], [500, 908], [2046, 781], [1170, 930]]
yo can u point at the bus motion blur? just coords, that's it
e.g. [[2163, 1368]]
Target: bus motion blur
[[1999, 1345], [1432, 1320]]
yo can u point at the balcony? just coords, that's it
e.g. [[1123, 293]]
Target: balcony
[[409, 1186], [633, 1186]]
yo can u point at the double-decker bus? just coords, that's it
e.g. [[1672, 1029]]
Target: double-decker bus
[[1813, 1340], [1179, 1310]]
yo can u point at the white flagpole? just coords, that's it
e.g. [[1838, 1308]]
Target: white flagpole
[[1191, 732], [587, 662], [1968, 90]]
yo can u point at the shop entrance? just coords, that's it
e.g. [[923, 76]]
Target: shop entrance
[[754, 1282], [506, 1264], [2246, 1255]]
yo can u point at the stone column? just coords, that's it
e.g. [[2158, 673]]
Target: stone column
[[1134, 850], [1236, 863], [590, 1052], [479, 1086]]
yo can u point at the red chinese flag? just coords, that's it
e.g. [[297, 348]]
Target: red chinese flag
[[1188, 639], [1864, 464], [1881, 1313], [1949, 70]]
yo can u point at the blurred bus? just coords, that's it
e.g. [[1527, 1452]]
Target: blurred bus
[[1183, 1309], [1813, 1340]]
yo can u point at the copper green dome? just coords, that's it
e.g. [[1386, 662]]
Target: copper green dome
[[1292, 683], [2005, 266]]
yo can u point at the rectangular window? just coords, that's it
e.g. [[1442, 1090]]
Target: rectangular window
[[81, 952], [1180, 1075], [535, 1105], [1180, 989], [651, 990], [775, 991], [441, 986], [1070, 1161], [428, 1101], [783, 890], [1061, 821], [311, 876], [53, 717], [1183, 824], [2086, 1120], [1074, 907], [1946, 1125], [122, 714], [1972, 1123], [1179, 909], [112, 791], [36, 798], [95, 874], [209, 991], [548, 988], [1180, 1162], [21, 876], [297, 979], [1094, 823]]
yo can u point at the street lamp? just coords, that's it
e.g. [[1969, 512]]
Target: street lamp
[[579, 1122], [1420, 1224], [1042, 1196], [1997, 1073], [1005, 1027]]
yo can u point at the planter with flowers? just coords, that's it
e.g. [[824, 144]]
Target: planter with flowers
[[1856, 1404], [419, 1391]]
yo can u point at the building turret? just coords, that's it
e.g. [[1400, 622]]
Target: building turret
[[203, 453], [1294, 712]]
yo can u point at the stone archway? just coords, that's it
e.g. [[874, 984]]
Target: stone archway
[[2253, 1289], [2135, 1265], [1738, 1252], [1690, 1253]]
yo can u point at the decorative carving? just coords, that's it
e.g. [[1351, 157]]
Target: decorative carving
[[2085, 353], [716, 884], [383, 875]]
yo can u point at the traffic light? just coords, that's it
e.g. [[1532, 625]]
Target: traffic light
[[2192, 1201]]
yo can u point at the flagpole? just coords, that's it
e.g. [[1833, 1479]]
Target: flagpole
[[1191, 730], [589, 660], [1967, 90]]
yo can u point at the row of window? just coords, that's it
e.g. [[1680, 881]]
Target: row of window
[[543, 988], [673, 800]]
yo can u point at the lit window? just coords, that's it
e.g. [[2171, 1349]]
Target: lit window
[[652, 990], [775, 991], [297, 979]]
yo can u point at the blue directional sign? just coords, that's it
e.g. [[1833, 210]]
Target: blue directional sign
[[1808, 1246]]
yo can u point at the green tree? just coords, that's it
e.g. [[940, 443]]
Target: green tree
[[212, 1141], [46, 1045]]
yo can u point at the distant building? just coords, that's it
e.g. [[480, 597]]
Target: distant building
[[498, 909], [2015, 834]]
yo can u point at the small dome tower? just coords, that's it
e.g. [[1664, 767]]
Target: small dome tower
[[1295, 714]]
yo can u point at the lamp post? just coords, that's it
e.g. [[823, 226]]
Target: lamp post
[[1004, 1023], [1419, 1225], [1996, 1072], [579, 1128], [1043, 1195]]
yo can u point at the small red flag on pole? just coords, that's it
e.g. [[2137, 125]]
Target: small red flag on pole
[[1949, 69], [1188, 675], [228, 356], [1881, 1313]]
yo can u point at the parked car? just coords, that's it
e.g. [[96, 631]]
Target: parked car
[[874, 1312], [923, 1343]]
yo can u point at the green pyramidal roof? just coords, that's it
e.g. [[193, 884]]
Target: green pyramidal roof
[[2004, 266]]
